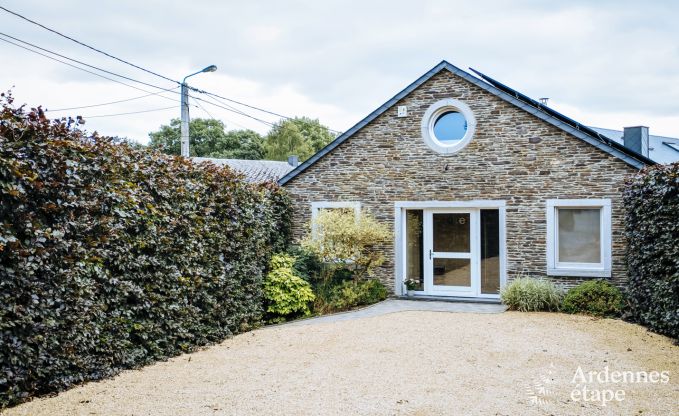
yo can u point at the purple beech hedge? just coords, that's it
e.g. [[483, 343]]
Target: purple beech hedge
[[113, 256], [652, 227]]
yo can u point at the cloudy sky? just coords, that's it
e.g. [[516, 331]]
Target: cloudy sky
[[606, 63]]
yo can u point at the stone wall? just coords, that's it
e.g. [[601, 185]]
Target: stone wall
[[514, 156]]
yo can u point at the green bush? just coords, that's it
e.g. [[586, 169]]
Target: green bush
[[528, 294], [114, 256], [307, 264], [594, 297], [342, 240], [352, 293], [286, 293], [651, 201]]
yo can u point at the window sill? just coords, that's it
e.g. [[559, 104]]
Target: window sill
[[567, 272]]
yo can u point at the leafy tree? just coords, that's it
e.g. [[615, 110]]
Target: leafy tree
[[301, 136], [207, 138], [241, 144]]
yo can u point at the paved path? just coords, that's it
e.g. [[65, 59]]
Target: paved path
[[398, 305]]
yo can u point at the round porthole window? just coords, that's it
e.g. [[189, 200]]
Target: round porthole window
[[448, 126]]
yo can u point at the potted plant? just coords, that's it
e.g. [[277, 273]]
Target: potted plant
[[411, 286]]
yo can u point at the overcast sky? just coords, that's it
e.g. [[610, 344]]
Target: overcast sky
[[606, 63]]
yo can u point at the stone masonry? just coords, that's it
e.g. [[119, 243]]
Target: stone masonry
[[514, 156]]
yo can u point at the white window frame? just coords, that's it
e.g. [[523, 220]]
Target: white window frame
[[556, 268], [434, 112], [316, 207]]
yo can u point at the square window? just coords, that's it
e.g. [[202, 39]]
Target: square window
[[579, 237]]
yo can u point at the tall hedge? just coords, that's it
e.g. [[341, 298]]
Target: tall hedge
[[652, 228], [113, 256]]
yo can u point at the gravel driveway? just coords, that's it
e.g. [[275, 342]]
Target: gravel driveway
[[403, 363]]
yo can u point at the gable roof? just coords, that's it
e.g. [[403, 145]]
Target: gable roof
[[254, 170], [504, 92]]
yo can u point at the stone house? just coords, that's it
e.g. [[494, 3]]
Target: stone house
[[479, 183]]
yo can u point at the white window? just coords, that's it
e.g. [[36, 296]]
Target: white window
[[579, 237], [448, 126], [317, 207]]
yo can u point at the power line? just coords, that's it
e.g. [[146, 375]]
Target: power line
[[216, 96], [207, 112], [238, 102], [233, 110], [83, 69], [110, 102], [131, 112], [213, 95], [88, 46], [213, 118], [224, 106], [82, 63]]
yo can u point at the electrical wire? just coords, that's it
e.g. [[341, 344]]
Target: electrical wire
[[129, 113], [217, 97], [213, 95], [83, 63], [83, 69], [88, 46], [233, 110], [109, 103], [213, 118], [238, 102]]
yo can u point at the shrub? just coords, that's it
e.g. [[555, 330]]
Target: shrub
[[594, 297], [286, 293], [352, 293], [651, 202], [528, 294], [345, 241], [112, 256], [307, 264]]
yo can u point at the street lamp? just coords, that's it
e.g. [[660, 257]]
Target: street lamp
[[185, 110]]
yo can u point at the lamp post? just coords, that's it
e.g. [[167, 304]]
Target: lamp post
[[185, 110]]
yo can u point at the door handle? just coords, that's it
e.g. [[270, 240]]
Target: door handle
[[429, 254]]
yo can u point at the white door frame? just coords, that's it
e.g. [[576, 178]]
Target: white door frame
[[475, 206], [429, 254]]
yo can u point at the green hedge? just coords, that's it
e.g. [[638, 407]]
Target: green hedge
[[113, 256], [652, 228]]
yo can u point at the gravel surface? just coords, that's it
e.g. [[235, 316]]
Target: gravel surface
[[403, 363]]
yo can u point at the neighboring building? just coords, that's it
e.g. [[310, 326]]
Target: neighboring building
[[661, 149], [255, 170], [479, 183]]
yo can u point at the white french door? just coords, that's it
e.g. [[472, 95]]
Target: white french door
[[451, 266], [451, 251]]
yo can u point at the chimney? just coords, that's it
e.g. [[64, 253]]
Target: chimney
[[636, 138], [293, 161]]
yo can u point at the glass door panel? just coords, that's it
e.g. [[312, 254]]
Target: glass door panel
[[490, 251], [415, 249], [451, 232], [451, 253], [452, 272]]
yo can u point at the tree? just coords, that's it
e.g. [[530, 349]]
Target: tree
[[299, 136], [207, 138]]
